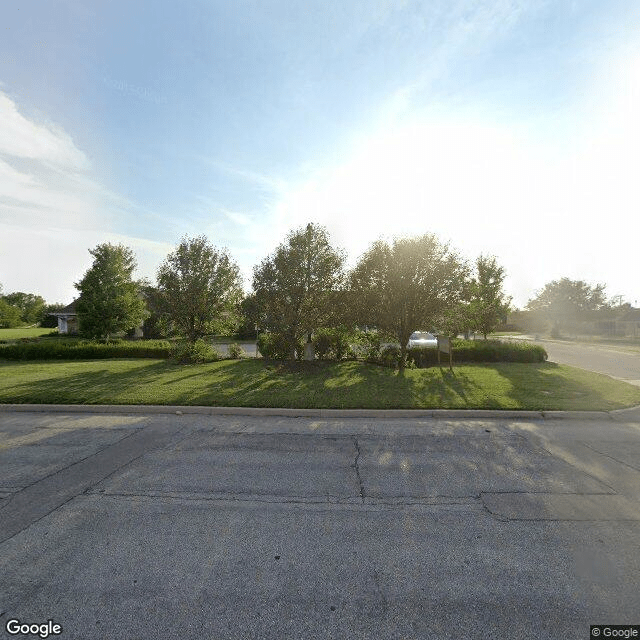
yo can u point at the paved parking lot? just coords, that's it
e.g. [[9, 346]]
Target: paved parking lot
[[188, 526]]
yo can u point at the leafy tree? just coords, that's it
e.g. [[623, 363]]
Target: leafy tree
[[110, 300], [199, 288], [9, 315], [488, 302], [567, 295], [563, 300], [295, 286], [157, 324], [407, 286], [249, 318], [31, 306]]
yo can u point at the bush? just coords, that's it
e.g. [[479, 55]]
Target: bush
[[390, 355], [422, 357], [368, 345], [156, 326], [194, 352], [84, 350], [276, 346], [334, 343], [480, 351], [236, 352]]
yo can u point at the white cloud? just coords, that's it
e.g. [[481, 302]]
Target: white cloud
[[51, 209], [237, 218], [23, 138]]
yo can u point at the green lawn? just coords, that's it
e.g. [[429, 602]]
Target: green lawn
[[256, 383], [24, 332]]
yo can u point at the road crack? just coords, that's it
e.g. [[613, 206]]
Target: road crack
[[356, 466]]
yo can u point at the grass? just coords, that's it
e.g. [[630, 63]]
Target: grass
[[24, 332], [258, 383]]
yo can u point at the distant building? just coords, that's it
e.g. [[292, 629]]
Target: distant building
[[67, 319], [68, 323]]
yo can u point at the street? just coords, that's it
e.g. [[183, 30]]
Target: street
[[194, 526], [618, 362]]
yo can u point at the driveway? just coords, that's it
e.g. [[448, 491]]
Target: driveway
[[193, 526]]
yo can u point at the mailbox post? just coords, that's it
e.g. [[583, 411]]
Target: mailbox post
[[444, 345]]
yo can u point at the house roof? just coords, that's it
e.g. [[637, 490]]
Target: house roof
[[69, 310]]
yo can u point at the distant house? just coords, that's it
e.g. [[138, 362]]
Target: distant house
[[67, 319], [626, 324], [68, 323]]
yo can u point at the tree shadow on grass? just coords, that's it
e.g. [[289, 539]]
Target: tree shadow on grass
[[439, 387], [549, 386], [86, 386], [255, 383], [335, 385]]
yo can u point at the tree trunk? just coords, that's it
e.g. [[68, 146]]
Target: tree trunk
[[403, 357]]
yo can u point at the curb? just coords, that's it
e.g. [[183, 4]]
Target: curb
[[632, 413]]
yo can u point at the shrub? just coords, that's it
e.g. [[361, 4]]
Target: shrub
[[389, 356], [156, 326], [369, 344], [236, 352], [85, 350], [194, 352], [276, 346], [422, 358], [334, 343]]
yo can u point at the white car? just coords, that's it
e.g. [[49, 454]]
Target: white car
[[423, 340]]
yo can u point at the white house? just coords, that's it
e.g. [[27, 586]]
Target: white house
[[68, 321]]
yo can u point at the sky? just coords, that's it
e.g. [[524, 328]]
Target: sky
[[505, 127]]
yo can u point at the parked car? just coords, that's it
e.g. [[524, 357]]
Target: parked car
[[423, 340]]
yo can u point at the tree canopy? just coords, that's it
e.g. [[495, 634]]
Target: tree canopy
[[199, 288], [407, 286], [9, 315], [109, 300], [31, 306], [488, 304], [568, 297], [294, 287]]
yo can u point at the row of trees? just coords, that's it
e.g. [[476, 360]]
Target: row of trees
[[398, 287], [19, 308], [565, 304]]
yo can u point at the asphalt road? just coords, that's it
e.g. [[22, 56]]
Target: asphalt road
[[166, 526], [617, 362]]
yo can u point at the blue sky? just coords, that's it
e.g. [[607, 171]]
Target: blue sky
[[506, 127]]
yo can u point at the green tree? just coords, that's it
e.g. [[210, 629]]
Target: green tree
[[9, 315], [488, 305], [249, 318], [31, 306], [407, 286], [199, 288], [110, 300], [562, 301], [294, 287]]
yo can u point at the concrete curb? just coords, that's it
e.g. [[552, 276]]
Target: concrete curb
[[632, 413]]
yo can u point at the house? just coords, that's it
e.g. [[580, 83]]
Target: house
[[68, 323], [67, 319]]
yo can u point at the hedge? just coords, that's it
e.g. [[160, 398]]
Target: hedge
[[480, 351], [85, 350]]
